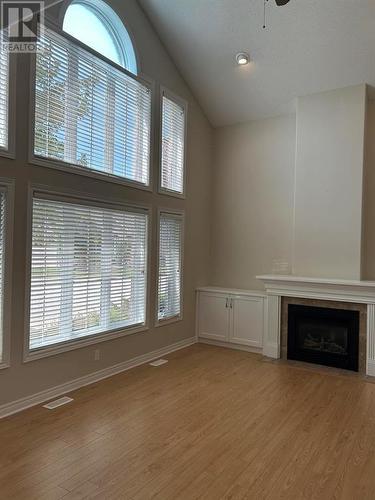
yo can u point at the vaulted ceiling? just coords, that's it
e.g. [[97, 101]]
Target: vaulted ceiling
[[308, 46]]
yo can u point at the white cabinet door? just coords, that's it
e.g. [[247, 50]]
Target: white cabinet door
[[213, 316], [247, 321]]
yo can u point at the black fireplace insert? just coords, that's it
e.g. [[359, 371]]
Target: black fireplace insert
[[323, 336]]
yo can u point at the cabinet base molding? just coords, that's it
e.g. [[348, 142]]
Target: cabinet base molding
[[271, 351], [238, 347]]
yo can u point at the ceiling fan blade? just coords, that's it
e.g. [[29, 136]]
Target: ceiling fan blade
[[281, 2]]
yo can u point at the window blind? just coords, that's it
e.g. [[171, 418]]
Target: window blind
[[172, 145], [4, 92], [89, 113], [170, 262], [88, 270], [2, 267]]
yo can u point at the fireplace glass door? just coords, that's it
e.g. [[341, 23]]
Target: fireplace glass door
[[324, 336]]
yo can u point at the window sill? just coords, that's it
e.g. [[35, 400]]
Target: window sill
[[71, 345], [168, 321], [7, 153], [93, 174], [173, 194]]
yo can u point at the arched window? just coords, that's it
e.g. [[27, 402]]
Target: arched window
[[95, 24]]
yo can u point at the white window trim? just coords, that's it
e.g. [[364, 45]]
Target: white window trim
[[10, 150], [182, 102], [179, 317], [8, 185], [76, 169], [70, 345]]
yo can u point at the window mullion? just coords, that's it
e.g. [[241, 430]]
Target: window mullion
[[138, 167], [71, 108], [106, 267], [67, 281], [110, 124], [137, 280]]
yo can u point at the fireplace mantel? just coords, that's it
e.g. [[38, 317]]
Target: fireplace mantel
[[353, 291], [319, 288]]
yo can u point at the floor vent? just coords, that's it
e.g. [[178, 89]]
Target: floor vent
[[159, 362], [58, 402]]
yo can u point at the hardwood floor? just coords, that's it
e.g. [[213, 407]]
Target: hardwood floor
[[213, 423]]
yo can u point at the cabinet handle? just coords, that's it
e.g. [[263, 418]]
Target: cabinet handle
[[231, 303], [226, 304]]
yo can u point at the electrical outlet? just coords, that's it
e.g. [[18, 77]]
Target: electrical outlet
[[97, 354], [280, 266]]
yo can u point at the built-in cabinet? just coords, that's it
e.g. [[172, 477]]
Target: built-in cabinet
[[235, 317]]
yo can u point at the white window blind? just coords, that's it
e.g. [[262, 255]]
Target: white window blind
[[170, 262], [172, 146], [4, 92], [2, 266], [88, 270], [89, 113]]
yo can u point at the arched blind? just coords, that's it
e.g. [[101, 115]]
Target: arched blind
[[90, 113], [2, 267], [170, 263], [172, 145], [88, 270], [4, 92]]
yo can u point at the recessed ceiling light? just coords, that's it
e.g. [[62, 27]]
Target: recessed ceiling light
[[242, 58]]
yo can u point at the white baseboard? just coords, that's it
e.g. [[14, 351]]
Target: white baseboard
[[271, 351], [227, 345], [43, 396]]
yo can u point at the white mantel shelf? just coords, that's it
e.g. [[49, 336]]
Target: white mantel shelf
[[354, 291], [319, 288]]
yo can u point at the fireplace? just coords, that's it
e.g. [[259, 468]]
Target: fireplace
[[323, 335]]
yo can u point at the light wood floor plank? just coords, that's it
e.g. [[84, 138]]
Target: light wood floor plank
[[211, 424]]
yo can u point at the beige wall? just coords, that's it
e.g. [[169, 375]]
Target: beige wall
[[328, 188], [252, 224], [258, 173], [23, 379], [368, 263]]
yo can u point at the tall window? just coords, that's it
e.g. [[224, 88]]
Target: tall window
[[89, 112], [4, 93], [172, 145], [170, 263], [2, 268], [88, 270]]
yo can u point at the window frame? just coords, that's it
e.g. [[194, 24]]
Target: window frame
[[164, 91], [8, 186], [10, 150], [178, 214], [47, 192], [77, 169]]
